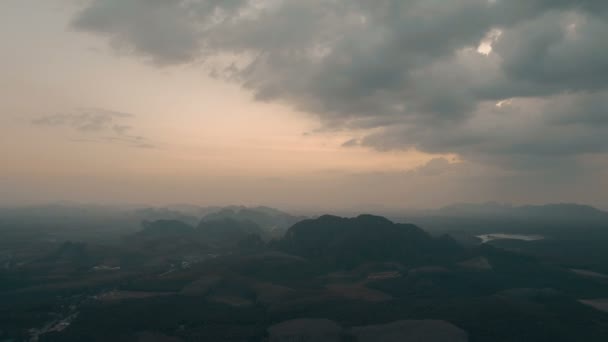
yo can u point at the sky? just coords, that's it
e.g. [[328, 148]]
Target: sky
[[307, 104]]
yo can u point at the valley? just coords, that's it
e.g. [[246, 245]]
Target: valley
[[229, 278]]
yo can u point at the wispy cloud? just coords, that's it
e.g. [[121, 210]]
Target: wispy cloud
[[84, 119], [100, 125], [433, 167], [132, 140], [351, 143]]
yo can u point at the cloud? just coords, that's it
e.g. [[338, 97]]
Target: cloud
[[133, 141], [167, 32], [351, 143], [408, 71], [83, 119], [433, 167], [97, 123], [121, 129]]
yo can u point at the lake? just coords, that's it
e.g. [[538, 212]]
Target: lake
[[500, 236]]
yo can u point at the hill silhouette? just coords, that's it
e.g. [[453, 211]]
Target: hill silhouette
[[348, 242]]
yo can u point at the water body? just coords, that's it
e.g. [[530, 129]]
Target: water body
[[500, 236], [599, 304], [587, 273]]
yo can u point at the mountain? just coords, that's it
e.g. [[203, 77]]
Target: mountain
[[166, 227], [273, 222], [348, 242], [156, 214], [96, 222], [468, 209], [193, 210], [549, 211], [227, 230], [220, 233], [470, 219], [219, 281], [562, 210]]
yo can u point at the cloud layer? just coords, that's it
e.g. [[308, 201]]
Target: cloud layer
[[408, 73]]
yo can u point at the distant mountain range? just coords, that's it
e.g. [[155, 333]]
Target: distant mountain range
[[569, 210], [95, 223], [84, 220], [225, 227], [272, 221]]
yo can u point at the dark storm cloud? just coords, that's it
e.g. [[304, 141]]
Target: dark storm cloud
[[409, 69], [558, 51], [167, 32]]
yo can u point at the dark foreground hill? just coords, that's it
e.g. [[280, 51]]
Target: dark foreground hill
[[348, 242]]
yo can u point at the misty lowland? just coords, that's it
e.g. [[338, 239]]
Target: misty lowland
[[304, 170], [470, 272]]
